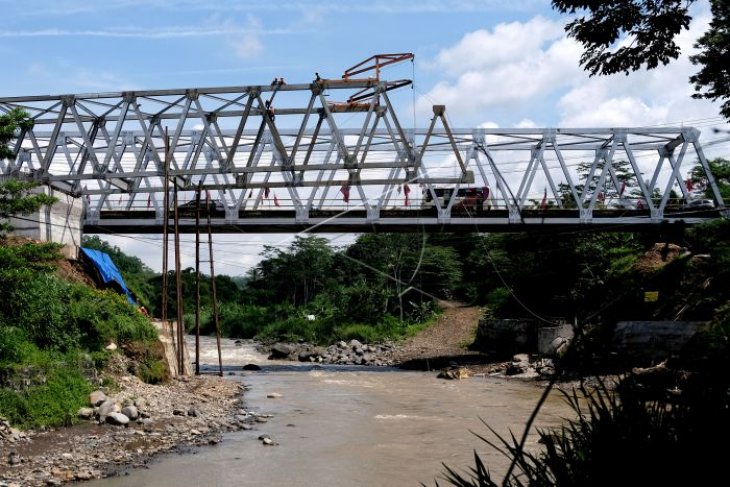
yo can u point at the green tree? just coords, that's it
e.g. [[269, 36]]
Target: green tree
[[295, 274], [621, 36], [16, 119], [138, 277], [16, 197], [712, 81], [720, 170], [125, 263], [407, 267], [625, 176]]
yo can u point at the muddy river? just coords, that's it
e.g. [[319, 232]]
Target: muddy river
[[351, 426]]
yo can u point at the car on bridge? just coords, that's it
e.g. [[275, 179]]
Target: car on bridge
[[216, 206], [466, 198], [699, 204], [625, 204]]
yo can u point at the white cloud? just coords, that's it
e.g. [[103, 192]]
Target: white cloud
[[513, 63], [248, 45], [482, 49], [163, 32], [76, 7], [488, 125], [518, 70], [621, 111], [526, 123]]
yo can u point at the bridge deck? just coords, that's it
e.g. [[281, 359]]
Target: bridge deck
[[396, 220]]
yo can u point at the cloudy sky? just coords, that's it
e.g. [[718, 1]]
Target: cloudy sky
[[492, 63]]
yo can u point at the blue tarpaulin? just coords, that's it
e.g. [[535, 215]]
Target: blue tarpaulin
[[107, 270]]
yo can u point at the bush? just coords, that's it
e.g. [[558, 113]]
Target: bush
[[294, 329], [52, 403], [362, 333], [243, 321], [497, 299], [52, 331], [148, 361], [14, 345], [56, 315], [389, 328], [104, 316]]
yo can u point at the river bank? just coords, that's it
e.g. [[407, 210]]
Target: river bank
[[184, 413]]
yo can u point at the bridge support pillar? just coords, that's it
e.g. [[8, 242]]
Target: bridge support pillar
[[59, 223]]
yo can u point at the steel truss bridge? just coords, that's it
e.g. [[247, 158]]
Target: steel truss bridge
[[332, 155]]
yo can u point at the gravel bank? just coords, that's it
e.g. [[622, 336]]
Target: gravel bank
[[187, 412]]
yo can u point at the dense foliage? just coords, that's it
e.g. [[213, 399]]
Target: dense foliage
[[137, 276], [621, 36], [383, 286], [52, 333], [655, 418]]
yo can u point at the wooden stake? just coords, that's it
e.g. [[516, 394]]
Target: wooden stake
[[178, 287], [212, 285], [197, 279]]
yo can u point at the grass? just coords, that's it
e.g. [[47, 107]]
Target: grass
[[59, 391]]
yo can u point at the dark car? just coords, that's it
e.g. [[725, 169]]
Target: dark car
[[216, 205], [701, 204]]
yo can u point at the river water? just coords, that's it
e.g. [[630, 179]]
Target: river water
[[351, 426]]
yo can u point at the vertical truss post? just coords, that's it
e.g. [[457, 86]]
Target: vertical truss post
[[692, 136]]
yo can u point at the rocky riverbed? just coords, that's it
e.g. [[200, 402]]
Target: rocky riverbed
[[124, 428], [354, 352], [341, 353]]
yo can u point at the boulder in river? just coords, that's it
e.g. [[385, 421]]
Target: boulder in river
[[280, 351], [107, 407], [85, 413], [96, 398], [117, 418], [454, 373], [131, 412]]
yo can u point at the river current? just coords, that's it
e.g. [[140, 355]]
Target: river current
[[351, 426]]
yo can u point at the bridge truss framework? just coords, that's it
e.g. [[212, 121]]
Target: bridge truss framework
[[286, 157]]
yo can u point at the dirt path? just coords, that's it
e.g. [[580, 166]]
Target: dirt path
[[447, 340]]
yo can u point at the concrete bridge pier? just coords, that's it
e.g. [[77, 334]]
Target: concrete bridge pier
[[59, 223]]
